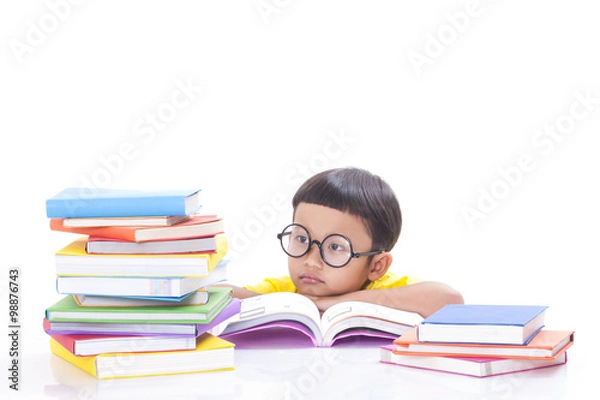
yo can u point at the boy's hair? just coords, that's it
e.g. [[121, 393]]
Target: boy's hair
[[359, 193]]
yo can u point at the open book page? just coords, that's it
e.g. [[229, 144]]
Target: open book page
[[293, 311], [360, 315], [280, 306], [284, 333]]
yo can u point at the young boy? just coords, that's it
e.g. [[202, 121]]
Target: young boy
[[345, 223]]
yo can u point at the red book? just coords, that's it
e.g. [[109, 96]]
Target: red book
[[195, 226], [90, 344]]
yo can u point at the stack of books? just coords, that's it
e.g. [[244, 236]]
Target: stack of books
[[481, 340], [137, 283]]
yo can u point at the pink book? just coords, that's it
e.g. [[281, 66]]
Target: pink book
[[471, 366]]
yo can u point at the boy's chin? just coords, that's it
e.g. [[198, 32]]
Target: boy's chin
[[312, 291], [316, 292]]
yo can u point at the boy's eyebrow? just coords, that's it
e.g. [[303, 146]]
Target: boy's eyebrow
[[325, 235], [305, 227]]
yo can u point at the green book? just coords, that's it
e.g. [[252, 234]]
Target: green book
[[67, 310]]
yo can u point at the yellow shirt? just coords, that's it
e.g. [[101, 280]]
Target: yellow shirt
[[285, 284]]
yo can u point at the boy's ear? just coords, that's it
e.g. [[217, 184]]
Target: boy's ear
[[379, 265]]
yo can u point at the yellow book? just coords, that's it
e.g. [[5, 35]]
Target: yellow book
[[73, 260], [211, 354]]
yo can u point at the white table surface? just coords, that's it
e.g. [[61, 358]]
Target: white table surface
[[348, 371]]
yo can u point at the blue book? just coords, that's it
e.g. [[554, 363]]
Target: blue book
[[80, 202], [483, 323]]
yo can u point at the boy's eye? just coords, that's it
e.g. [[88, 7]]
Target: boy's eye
[[337, 247], [301, 239]]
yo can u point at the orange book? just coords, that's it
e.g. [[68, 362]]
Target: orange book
[[195, 226], [546, 344]]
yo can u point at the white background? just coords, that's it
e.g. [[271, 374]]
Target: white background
[[443, 99]]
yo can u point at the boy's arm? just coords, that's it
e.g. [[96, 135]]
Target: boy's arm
[[239, 292], [423, 298]]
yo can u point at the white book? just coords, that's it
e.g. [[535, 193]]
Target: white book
[[125, 221], [194, 298], [294, 311], [93, 344], [74, 260], [97, 245], [137, 286]]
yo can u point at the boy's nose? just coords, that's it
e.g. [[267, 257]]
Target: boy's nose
[[313, 258]]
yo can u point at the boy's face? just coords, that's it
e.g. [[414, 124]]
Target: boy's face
[[310, 274]]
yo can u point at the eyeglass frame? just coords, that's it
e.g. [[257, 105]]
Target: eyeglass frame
[[353, 254]]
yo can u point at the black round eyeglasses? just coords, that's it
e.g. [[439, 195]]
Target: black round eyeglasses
[[336, 249]]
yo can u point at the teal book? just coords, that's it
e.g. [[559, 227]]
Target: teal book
[[483, 323], [67, 310], [81, 202]]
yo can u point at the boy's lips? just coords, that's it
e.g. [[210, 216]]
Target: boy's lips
[[310, 279]]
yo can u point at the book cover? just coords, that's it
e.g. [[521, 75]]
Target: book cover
[[81, 202], [546, 344], [107, 328], [170, 289], [483, 323], [73, 260], [98, 245], [211, 354], [67, 309], [164, 220], [194, 226], [471, 366], [297, 312]]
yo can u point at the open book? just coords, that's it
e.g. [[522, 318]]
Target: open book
[[295, 311]]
